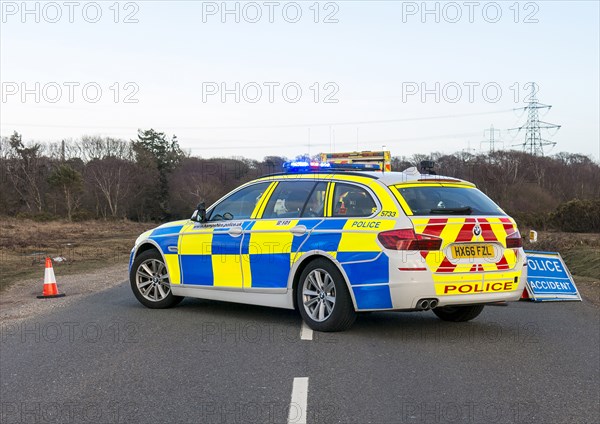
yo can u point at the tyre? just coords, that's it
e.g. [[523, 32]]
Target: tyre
[[458, 313], [323, 298], [150, 281]]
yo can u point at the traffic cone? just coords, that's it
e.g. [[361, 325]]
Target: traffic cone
[[50, 288], [525, 295]]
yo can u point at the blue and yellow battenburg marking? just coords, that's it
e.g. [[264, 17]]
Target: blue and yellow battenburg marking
[[263, 254], [167, 237]]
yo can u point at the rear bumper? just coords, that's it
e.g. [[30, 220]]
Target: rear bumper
[[408, 287], [406, 296]]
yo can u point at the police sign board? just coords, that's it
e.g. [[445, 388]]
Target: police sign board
[[548, 277]]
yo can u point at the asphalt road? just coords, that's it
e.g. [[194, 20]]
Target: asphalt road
[[107, 359]]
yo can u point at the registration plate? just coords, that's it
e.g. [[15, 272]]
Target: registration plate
[[469, 251]]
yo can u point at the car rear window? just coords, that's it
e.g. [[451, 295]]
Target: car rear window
[[438, 200]]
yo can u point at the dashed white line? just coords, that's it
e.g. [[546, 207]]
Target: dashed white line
[[297, 413], [306, 332]]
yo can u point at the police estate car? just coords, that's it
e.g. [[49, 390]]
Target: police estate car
[[333, 243]]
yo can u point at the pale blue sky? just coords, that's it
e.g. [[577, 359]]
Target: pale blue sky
[[369, 54]]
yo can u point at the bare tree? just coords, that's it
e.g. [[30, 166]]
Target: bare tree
[[110, 179], [95, 147]]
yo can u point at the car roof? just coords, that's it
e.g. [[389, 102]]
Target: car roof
[[410, 175]]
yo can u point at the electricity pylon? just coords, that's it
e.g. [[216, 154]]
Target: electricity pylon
[[492, 140], [534, 143]]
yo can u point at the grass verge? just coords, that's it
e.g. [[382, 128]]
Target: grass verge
[[581, 252], [84, 246]]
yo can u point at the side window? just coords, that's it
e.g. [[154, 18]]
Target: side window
[[288, 199], [315, 207], [240, 204], [352, 201]]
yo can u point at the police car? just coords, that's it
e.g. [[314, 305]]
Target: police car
[[333, 243]]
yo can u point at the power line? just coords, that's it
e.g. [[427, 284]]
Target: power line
[[206, 143], [245, 127], [534, 143]]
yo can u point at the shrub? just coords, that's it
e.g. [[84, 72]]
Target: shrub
[[37, 216], [82, 215], [538, 221], [578, 216]]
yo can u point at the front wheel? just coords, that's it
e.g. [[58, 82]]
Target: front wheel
[[323, 298], [150, 281], [458, 313]]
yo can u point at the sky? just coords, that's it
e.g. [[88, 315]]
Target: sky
[[257, 79]]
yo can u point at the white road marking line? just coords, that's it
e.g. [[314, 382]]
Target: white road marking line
[[306, 332], [297, 412]]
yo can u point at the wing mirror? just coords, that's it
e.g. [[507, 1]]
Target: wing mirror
[[200, 214]]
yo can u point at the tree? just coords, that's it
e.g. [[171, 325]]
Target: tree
[[110, 180], [8, 195], [400, 163], [95, 147], [27, 169], [153, 148], [195, 180], [272, 164], [167, 153], [69, 181]]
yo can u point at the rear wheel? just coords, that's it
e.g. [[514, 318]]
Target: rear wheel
[[458, 313], [323, 298], [150, 281]]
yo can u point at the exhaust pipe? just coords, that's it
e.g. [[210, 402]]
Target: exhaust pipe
[[426, 304], [423, 304]]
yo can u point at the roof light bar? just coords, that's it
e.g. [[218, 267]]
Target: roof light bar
[[300, 166], [304, 166]]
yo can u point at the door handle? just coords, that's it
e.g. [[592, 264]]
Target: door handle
[[299, 230], [235, 231]]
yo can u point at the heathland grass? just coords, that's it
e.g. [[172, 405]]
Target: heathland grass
[[89, 245], [581, 252]]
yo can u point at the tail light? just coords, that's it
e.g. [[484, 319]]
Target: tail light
[[514, 240], [408, 240]]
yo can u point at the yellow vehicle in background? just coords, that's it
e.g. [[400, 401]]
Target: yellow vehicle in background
[[382, 158]]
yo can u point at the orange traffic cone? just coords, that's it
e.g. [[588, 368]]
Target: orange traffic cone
[[50, 289], [525, 295]]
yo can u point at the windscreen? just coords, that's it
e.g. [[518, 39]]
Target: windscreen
[[438, 200]]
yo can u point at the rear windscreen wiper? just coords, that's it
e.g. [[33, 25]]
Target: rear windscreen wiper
[[453, 211]]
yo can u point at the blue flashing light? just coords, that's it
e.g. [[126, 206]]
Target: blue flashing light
[[304, 166], [300, 166]]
